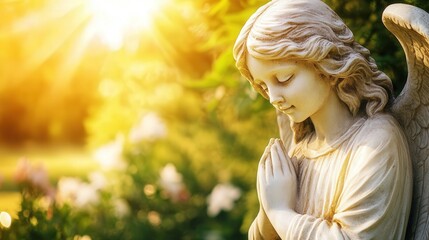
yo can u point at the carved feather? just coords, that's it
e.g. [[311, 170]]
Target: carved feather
[[410, 25]]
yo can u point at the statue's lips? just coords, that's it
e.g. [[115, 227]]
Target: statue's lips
[[286, 110]]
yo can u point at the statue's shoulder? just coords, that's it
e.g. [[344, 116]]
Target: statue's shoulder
[[381, 128], [382, 120]]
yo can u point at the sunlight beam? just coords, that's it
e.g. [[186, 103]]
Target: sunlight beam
[[40, 18], [51, 39], [114, 19], [71, 60]]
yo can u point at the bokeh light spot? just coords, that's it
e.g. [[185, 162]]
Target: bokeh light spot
[[5, 219]]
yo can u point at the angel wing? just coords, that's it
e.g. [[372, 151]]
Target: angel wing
[[410, 25]]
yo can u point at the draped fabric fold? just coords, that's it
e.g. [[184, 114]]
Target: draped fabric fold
[[358, 187]]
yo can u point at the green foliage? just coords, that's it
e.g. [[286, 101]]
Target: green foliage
[[364, 19], [36, 220], [216, 127], [152, 211]]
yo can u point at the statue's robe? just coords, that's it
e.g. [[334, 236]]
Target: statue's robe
[[359, 187]]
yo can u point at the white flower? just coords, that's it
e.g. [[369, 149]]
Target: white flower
[[171, 181], [76, 193], [88, 195], [121, 207], [150, 127], [67, 189], [222, 197], [110, 155], [97, 180]]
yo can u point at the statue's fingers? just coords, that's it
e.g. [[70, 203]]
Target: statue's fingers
[[283, 147], [258, 176], [289, 165], [285, 162], [282, 154], [268, 167], [264, 156], [261, 178], [276, 160], [266, 152]]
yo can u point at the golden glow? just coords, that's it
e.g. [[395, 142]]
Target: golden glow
[[56, 36], [114, 19], [51, 57]]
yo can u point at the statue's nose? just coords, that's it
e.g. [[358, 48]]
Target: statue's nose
[[275, 97]]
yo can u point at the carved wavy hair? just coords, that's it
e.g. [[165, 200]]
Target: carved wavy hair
[[308, 30]]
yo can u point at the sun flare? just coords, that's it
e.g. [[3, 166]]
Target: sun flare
[[112, 20], [63, 32]]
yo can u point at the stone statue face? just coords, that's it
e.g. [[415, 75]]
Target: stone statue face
[[293, 88]]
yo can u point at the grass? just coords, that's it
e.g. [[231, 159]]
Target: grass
[[59, 161]]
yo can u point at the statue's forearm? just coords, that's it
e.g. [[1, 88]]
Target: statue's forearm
[[279, 220], [262, 228]]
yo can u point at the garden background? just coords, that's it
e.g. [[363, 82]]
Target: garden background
[[126, 119]]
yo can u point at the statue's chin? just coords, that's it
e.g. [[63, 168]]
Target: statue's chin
[[294, 119]]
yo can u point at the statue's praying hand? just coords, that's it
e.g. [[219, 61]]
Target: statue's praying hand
[[275, 172]]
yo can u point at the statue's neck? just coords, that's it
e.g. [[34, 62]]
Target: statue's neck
[[330, 122]]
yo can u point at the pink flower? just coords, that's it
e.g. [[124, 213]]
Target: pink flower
[[23, 171], [36, 177]]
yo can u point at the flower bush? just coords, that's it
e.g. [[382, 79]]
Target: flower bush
[[178, 163], [159, 183], [178, 146], [177, 133], [162, 209]]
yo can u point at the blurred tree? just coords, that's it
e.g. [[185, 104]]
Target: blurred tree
[[364, 19], [192, 37], [48, 78], [182, 70]]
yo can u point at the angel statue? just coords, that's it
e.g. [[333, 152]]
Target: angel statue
[[352, 162]]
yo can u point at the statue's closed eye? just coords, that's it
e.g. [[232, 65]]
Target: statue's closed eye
[[285, 79]]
